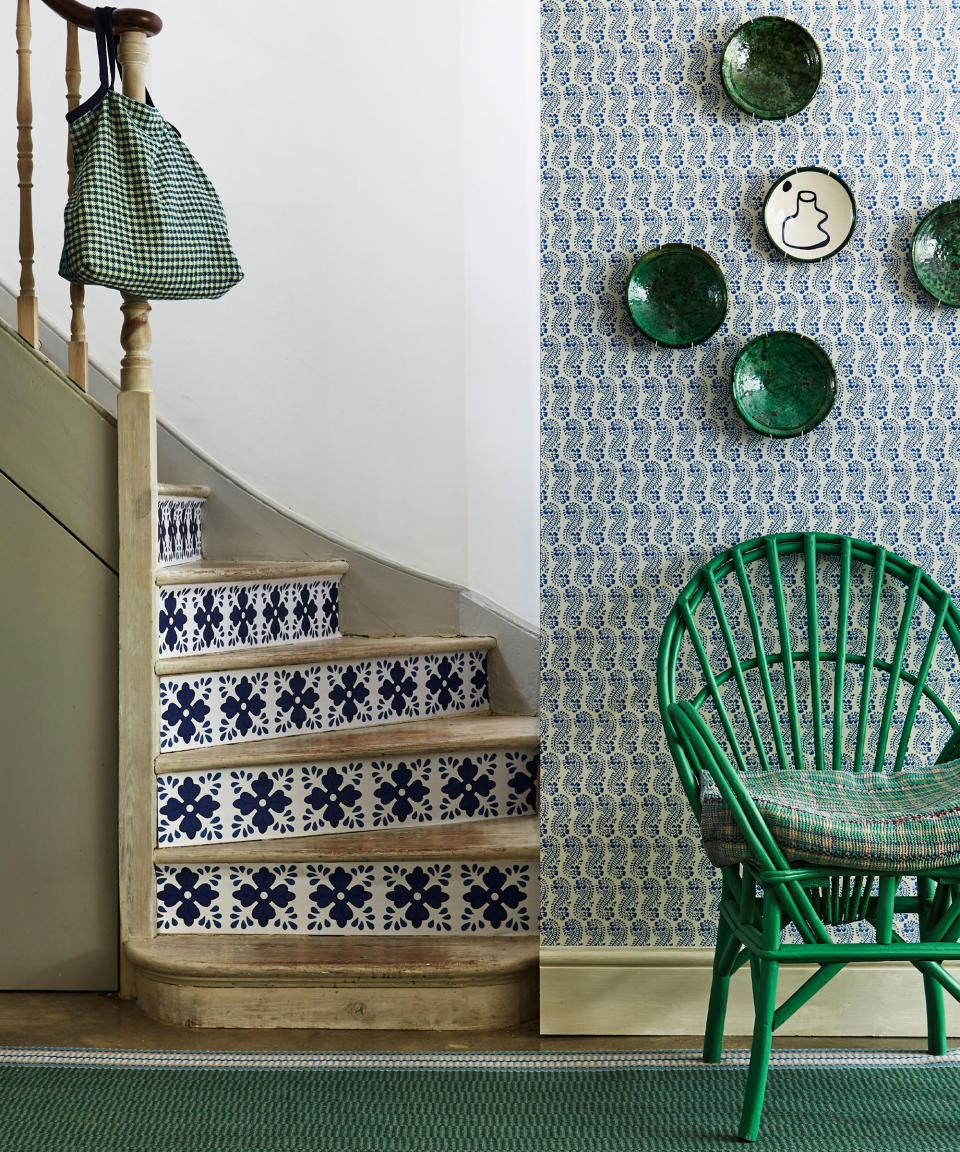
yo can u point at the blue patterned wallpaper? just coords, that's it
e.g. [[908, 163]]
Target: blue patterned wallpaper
[[647, 470]]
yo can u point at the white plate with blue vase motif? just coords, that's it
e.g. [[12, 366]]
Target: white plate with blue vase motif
[[809, 214]]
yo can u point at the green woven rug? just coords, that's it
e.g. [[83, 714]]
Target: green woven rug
[[506, 1102]]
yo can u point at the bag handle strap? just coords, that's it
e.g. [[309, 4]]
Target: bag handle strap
[[109, 64], [106, 46]]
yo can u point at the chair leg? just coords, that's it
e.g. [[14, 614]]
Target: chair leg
[[723, 957], [764, 1003], [936, 1020], [932, 990]]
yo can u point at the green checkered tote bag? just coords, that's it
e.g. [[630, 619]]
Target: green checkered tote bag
[[142, 216]]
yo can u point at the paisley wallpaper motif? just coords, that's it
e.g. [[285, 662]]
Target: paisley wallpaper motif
[[647, 470]]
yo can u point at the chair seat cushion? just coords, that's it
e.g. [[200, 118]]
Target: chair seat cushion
[[875, 821]]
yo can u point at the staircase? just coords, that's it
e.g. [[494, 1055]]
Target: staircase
[[315, 829], [345, 834]]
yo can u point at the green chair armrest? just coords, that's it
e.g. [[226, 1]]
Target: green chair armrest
[[707, 756]]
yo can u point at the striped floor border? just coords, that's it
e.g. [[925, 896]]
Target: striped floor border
[[465, 1061]]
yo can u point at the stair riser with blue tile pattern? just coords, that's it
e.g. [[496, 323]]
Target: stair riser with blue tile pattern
[[282, 801], [199, 709], [349, 899], [197, 618], [179, 529]]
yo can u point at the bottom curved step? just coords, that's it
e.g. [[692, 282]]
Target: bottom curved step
[[336, 982]]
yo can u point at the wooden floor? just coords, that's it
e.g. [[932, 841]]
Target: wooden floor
[[92, 1020]]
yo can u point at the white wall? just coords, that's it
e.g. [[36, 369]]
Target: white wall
[[501, 146], [376, 370]]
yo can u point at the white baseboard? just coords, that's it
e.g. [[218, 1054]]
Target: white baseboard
[[664, 991]]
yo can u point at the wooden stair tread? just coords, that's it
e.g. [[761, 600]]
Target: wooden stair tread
[[473, 732], [509, 838], [186, 491], [341, 648], [211, 572], [268, 960]]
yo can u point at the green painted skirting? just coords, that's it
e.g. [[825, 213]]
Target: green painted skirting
[[674, 1109]]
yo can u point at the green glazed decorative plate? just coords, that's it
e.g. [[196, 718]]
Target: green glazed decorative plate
[[677, 295], [935, 253], [771, 67], [783, 384]]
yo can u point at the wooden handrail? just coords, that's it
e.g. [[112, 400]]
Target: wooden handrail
[[124, 19]]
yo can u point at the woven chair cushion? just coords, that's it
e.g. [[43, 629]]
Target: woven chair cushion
[[875, 821]]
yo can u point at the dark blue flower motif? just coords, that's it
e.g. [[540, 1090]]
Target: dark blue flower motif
[[298, 698], [184, 527], [243, 707], [185, 712], [243, 616], [333, 798], [305, 610], [341, 896], [162, 517], [478, 681], [208, 617], [173, 620], [262, 801], [494, 896], [349, 693], [468, 786], [275, 613], [187, 895], [189, 807], [400, 791], [417, 896], [331, 609], [397, 689], [264, 896], [194, 535], [523, 784], [444, 682]]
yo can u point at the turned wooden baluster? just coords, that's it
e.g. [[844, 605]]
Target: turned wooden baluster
[[77, 350], [139, 730], [136, 367], [27, 316]]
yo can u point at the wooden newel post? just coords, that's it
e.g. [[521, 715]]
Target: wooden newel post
[[139, 734], [136, 367]]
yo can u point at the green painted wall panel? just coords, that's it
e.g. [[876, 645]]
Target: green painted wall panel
[[58, 710]]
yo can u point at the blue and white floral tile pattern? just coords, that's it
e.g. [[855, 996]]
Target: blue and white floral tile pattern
[[647, 470], [190, 809], [345, 796], [409, 899], [208, 617], [179, 534], [227, 708]]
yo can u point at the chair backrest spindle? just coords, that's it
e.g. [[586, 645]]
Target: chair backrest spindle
[[872, 622], [737, 669], [893, 683], [813, 640], [843, 630], [786, 650], [762, 664]]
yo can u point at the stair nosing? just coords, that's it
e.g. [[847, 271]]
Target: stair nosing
[[184, 491], [241, 571], [388, 845], [321, 652], [157, 956], [474, 732]]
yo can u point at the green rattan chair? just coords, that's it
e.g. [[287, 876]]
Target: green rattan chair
[[802, 681]]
